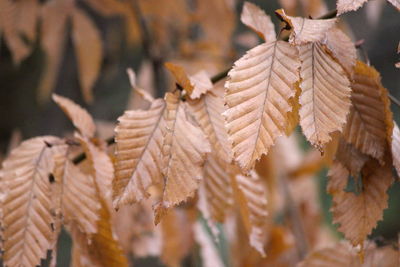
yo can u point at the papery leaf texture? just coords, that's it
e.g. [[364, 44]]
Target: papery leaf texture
[[80, 118], [28, 213], [325, 94], [369, 124], [255, 18], [258, 95]]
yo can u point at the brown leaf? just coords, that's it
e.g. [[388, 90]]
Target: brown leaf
[[342, 254], [184, 153], [258, 99], [396, 148], [54, 16], [27, 209], [358, 213], [88, 48], [325, 96], [250, 194], [28, 12], [180, 76], [256, 19], [78, 199], [395, 3], [10, 28], [369, 124], [306, 30], [342, 48], [81, 119], [201, 83], [139, 141]]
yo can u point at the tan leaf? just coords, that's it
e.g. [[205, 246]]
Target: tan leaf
[[101, 248], [28, 12], [184, 153], [325, 94], [217, 186], [79, 202], [180, 76], [250, 194], [255, 18], [306, 30], [139, 140], [258, 99], [81, 119], [344, 6], [102, 167], [396, 148], [54, 16], [208, 113], [359, 213], [342, 254], [342, 48], [352, 159], [158, 145], [132, 80], [10, 30], [369, 124], [28, 219], [88, 48], [201, 83]]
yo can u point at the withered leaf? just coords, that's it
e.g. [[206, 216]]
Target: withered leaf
[[258, 21]]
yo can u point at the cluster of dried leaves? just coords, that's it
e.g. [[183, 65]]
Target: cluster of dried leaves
[[215, 148]]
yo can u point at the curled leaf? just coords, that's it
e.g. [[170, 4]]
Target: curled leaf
[[255, 18]]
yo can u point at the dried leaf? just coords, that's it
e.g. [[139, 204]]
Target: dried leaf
[[139, 140], [396, 148], [10, 30], [256, 19], [344, 6], [369, 124], [342, 48], [359, 213], [180, 76], [325, 96], [132, 79], [258, 99], [201, 83], [81, 119], [395, 3], [88, 48], [79, 202], [54, 18], [352, 159], [184, 153], [306, 30], [27, 218], [251, 196], [158, 145], [341, 254]]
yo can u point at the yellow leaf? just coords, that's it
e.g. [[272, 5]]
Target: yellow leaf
[[258, 97], [88, 48], [325, 94], [369, 124], [258, 21], [358, 212], [27, 210], [81, 119]]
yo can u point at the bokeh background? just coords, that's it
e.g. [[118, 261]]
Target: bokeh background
[[204, 35]]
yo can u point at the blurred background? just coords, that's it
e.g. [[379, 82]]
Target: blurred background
[[81, 49]]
